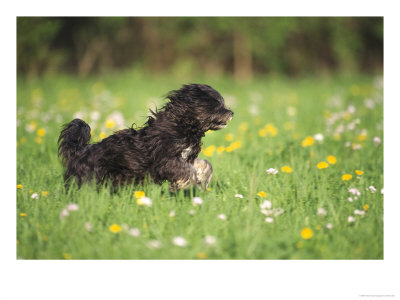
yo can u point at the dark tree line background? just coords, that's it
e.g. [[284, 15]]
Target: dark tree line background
[[241, 46]]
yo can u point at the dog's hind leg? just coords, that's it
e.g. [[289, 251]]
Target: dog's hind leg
[[204, 172]]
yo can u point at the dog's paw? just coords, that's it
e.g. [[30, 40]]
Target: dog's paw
[[203, 172]]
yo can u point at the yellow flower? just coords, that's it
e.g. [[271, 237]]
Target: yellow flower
[[23, 140], [331, 159], [19, 186], [38, 140], [115, 228], [306, 233], [322, 165], [209, 151], [45, 193], [208, 189], [139, 194], [362, 136], [67, 256], [286, 169], [22, 214], [262, 194], [41, 132], [366, 207], [271, 129], [201, 255], [243, 126], [229, 137], [220, 149], [359, 172], [236, 145], [346, 177], [110, 123], [103, 135], [308, 141], [262, 132]]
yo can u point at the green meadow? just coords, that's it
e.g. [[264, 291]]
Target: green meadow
[[312, 134]]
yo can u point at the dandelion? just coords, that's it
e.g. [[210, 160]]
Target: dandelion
[[377, 141], [64, 213], [321, 212], [359, 172], [35, 196], [372, 189], [286, 169], [72, 207], [103, 135], [272, 171], [222, 217], [210, 240], [154, 244], [229, 137], [41, 132], [23, 214], [88, 226], [239, 196], [262, 194], [201, 255], [346, 177], [271, 130], [134, 232], [322, 165], [220, 149], [114, 228], [197, 201], [366, 207], [329, 226], [319, 137], [179, 241], [359, 212], [351, 219], [67, 256], [331, 159], [266, 204], [269, 220], [209, 151], [145, 201], [45, 193], [306, 233], [308, 141], [139, 194], [19, 186], [110, 123]]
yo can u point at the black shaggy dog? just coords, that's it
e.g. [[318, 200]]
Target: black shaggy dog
[[165, 148]]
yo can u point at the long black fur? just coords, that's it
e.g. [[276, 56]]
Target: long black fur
[[165, 148]]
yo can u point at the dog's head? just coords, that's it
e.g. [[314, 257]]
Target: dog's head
[[202, 103]]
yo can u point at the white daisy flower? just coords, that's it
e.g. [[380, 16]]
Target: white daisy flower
[[369, 103], [197, 201], [351, 109], [88, 226], [72, 207], [351, 219], [154, 244], [210, 240], [319, 137], [377, 141], [266, 204], [354, 191], [191, 212], [222, 217], [239, 196], [171, 214], [145, 201], [359, 212], [272, 171], [372, 189], [269, 220], [350, 199], [35, 196], [329, 226], [321, 212], [382, 191], [64, 213], [135, 232], [179, 241]]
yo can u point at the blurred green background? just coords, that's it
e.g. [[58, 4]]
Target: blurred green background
[[242, 47]]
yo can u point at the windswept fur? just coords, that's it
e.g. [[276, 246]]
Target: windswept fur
[[165, 148]]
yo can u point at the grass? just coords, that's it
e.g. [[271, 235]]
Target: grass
[[295, 108]]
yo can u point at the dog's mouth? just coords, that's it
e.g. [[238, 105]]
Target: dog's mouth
[[222, 124]]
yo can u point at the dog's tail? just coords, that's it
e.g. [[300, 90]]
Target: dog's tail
[[73, 138]]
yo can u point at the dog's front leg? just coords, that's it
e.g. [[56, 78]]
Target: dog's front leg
[[179, 173], [204, 172]]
